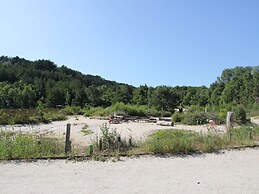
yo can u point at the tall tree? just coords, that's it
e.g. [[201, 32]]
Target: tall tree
[[164, 98]]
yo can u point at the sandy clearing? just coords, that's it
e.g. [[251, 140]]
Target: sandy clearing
[[230, 172], [255, 120], [136, 130]]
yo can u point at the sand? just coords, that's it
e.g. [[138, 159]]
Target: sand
[[227, 172]]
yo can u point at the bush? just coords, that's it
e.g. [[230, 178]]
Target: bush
[[178, 117], [125, 109], [72, 110], [195, 108], [196, 118], [240, 113], [97, 111], [222, 115], [254, 110], [108, 138], [108, 143]]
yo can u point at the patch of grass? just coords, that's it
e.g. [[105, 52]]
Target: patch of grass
[[99, 158], [109, 144], [30, 116], [128, 109], [72, 110], [85, 130], [185, 142], [28, 146]]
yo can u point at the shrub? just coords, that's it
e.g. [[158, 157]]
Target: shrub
[[109, 143], [240, 113], [125, 109], [85, 130], [72, 110], [108, 138], [195, 118], [178, 117]]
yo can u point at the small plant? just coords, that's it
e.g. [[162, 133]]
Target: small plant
[[85, 130], [99, 158], [108, 138], [110, 144], [90, 150]]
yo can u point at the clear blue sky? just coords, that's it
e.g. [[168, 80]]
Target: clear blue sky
[[153, 42]]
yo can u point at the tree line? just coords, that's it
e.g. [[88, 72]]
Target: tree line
[[26, 84]]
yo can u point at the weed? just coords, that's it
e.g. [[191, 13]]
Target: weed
[[108, 138], [28, 146], [184, 142], [30, 116], [85, 130]]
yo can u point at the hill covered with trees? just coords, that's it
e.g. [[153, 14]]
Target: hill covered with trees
[[26, 84]]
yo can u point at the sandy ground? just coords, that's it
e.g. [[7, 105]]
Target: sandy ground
[[230, 172], [137, 130]]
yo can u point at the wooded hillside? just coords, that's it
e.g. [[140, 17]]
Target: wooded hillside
[[26, 84]]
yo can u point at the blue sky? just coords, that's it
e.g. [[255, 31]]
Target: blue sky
[[153, 42]]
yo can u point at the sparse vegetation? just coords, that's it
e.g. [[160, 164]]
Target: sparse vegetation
[[30, 116], [108, 144], [185, 142], [85, 130], [128, 109], [28, 146], [33, 92]]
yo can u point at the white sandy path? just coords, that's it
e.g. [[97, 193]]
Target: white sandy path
[[137, 130], [230, 172]]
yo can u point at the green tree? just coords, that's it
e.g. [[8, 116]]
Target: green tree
[[140, 95], [165, 99], [123, 93]]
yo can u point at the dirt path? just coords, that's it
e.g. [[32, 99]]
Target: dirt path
[[229, 172]]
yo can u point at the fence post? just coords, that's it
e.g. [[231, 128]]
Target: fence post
[[130, 141], [91, 149], [68, 142], [230, 120], [119, 142], [100, 145]]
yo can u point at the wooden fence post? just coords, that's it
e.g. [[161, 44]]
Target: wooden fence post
[[100, 145], [119, 142], [68, 142], [230, 120], [130, 141]]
